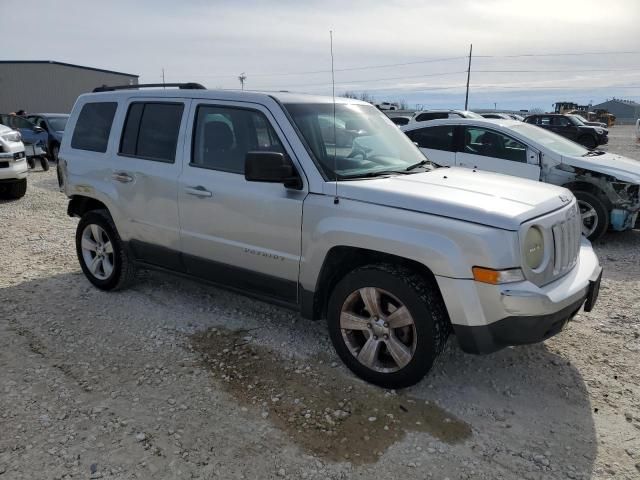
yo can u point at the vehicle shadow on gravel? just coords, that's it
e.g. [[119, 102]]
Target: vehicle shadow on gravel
[[527, 404]]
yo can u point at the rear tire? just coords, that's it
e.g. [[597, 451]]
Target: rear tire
[[15, 190], [103, 256], [595, 215], [402, 355], [44, 163], [588, 141]]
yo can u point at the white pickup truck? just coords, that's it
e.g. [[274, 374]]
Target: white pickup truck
[[13, 164]]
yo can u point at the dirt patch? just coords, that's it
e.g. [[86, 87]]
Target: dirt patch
[[327, 413]]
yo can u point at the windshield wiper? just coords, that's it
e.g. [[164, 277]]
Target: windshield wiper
[[421, 163], [594, 153], [375, 174]]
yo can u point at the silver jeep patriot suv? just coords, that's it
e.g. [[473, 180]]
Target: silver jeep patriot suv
[[328, 208]]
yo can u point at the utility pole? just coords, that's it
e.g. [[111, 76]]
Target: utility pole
[[466, 98], [163, 77], [242, 78], [495, 106]]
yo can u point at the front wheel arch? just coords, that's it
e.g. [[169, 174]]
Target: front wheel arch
[[339, 261]]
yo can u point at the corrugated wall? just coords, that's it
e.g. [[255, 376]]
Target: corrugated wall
[[49, 87]]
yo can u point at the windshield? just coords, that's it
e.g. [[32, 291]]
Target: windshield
[[577, 119], [468, 114], [363, 139], [552, 141], [58, 123]]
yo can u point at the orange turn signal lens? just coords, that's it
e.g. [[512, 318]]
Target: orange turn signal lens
[[497, 277]]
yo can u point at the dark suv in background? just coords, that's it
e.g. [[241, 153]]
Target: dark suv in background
[[570, 127]]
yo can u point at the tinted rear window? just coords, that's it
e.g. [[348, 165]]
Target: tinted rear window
[[151, 131], [93, 126]]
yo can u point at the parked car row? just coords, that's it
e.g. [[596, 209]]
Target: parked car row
[[573, 127], [260, 192], [605, 185], [43, 130]]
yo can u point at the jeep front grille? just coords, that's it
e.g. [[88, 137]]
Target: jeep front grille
[[566, 238]]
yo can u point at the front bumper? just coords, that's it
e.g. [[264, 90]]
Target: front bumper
[[11, 169], [487, 317]]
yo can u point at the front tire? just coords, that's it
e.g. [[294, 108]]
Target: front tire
[[594, 213], [103, 256], [44, 163], [387, 324], [14, 190]]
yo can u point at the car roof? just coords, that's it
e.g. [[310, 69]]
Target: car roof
[[239, 95], [483, 122]]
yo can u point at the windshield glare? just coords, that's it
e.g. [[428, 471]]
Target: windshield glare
[[58, 123], [363, 140], [552, 141]]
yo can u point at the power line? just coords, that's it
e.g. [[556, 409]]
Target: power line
[[578, 54], [369, 80]]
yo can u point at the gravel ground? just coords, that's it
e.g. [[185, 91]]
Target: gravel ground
[[175, 379]]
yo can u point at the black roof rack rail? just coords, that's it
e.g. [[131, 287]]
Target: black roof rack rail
[[181, 86]]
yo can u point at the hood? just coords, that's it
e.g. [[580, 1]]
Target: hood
[[487, 198], [5, 129], [623, 168]]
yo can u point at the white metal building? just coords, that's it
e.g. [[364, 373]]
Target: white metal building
[[49, 86]]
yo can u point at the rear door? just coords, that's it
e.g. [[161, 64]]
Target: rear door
[[487, 149], [437, 143], [144, 172]]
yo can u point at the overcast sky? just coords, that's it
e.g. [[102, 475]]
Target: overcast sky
[[212, 42]]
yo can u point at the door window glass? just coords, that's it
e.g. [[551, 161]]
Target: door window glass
[[488, 143], [93, 126], [560, 122], [223, 136], [437, 138], [151, 131]]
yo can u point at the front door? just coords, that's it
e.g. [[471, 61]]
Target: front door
[[437, 143], [242, 234], [563, 126], [490, 150]]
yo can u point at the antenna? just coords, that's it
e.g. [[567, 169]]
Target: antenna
[[336, 200], [466, 97], [163, 77]]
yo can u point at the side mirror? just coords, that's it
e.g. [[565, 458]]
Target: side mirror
[[271, 167], [38, 129]]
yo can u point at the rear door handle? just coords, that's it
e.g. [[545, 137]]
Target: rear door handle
[[122, 177], [198, 191]]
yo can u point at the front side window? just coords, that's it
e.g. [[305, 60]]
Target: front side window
[[224, 135], [489, 143], [365, 143], [151, 131], [561, 122], [437, 138], [94, 126]]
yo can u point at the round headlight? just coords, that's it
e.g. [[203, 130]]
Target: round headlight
[[534, 248]]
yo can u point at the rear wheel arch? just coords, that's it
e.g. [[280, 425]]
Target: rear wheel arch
[[79, 205], [341, 260]]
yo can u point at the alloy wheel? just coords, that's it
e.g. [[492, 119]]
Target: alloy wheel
[[378, 329], [589, 218], [97, 251]]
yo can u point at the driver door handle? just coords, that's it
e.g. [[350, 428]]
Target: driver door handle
[[198, 191]]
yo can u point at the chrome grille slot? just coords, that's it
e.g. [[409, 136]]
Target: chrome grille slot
[[566, 239]]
